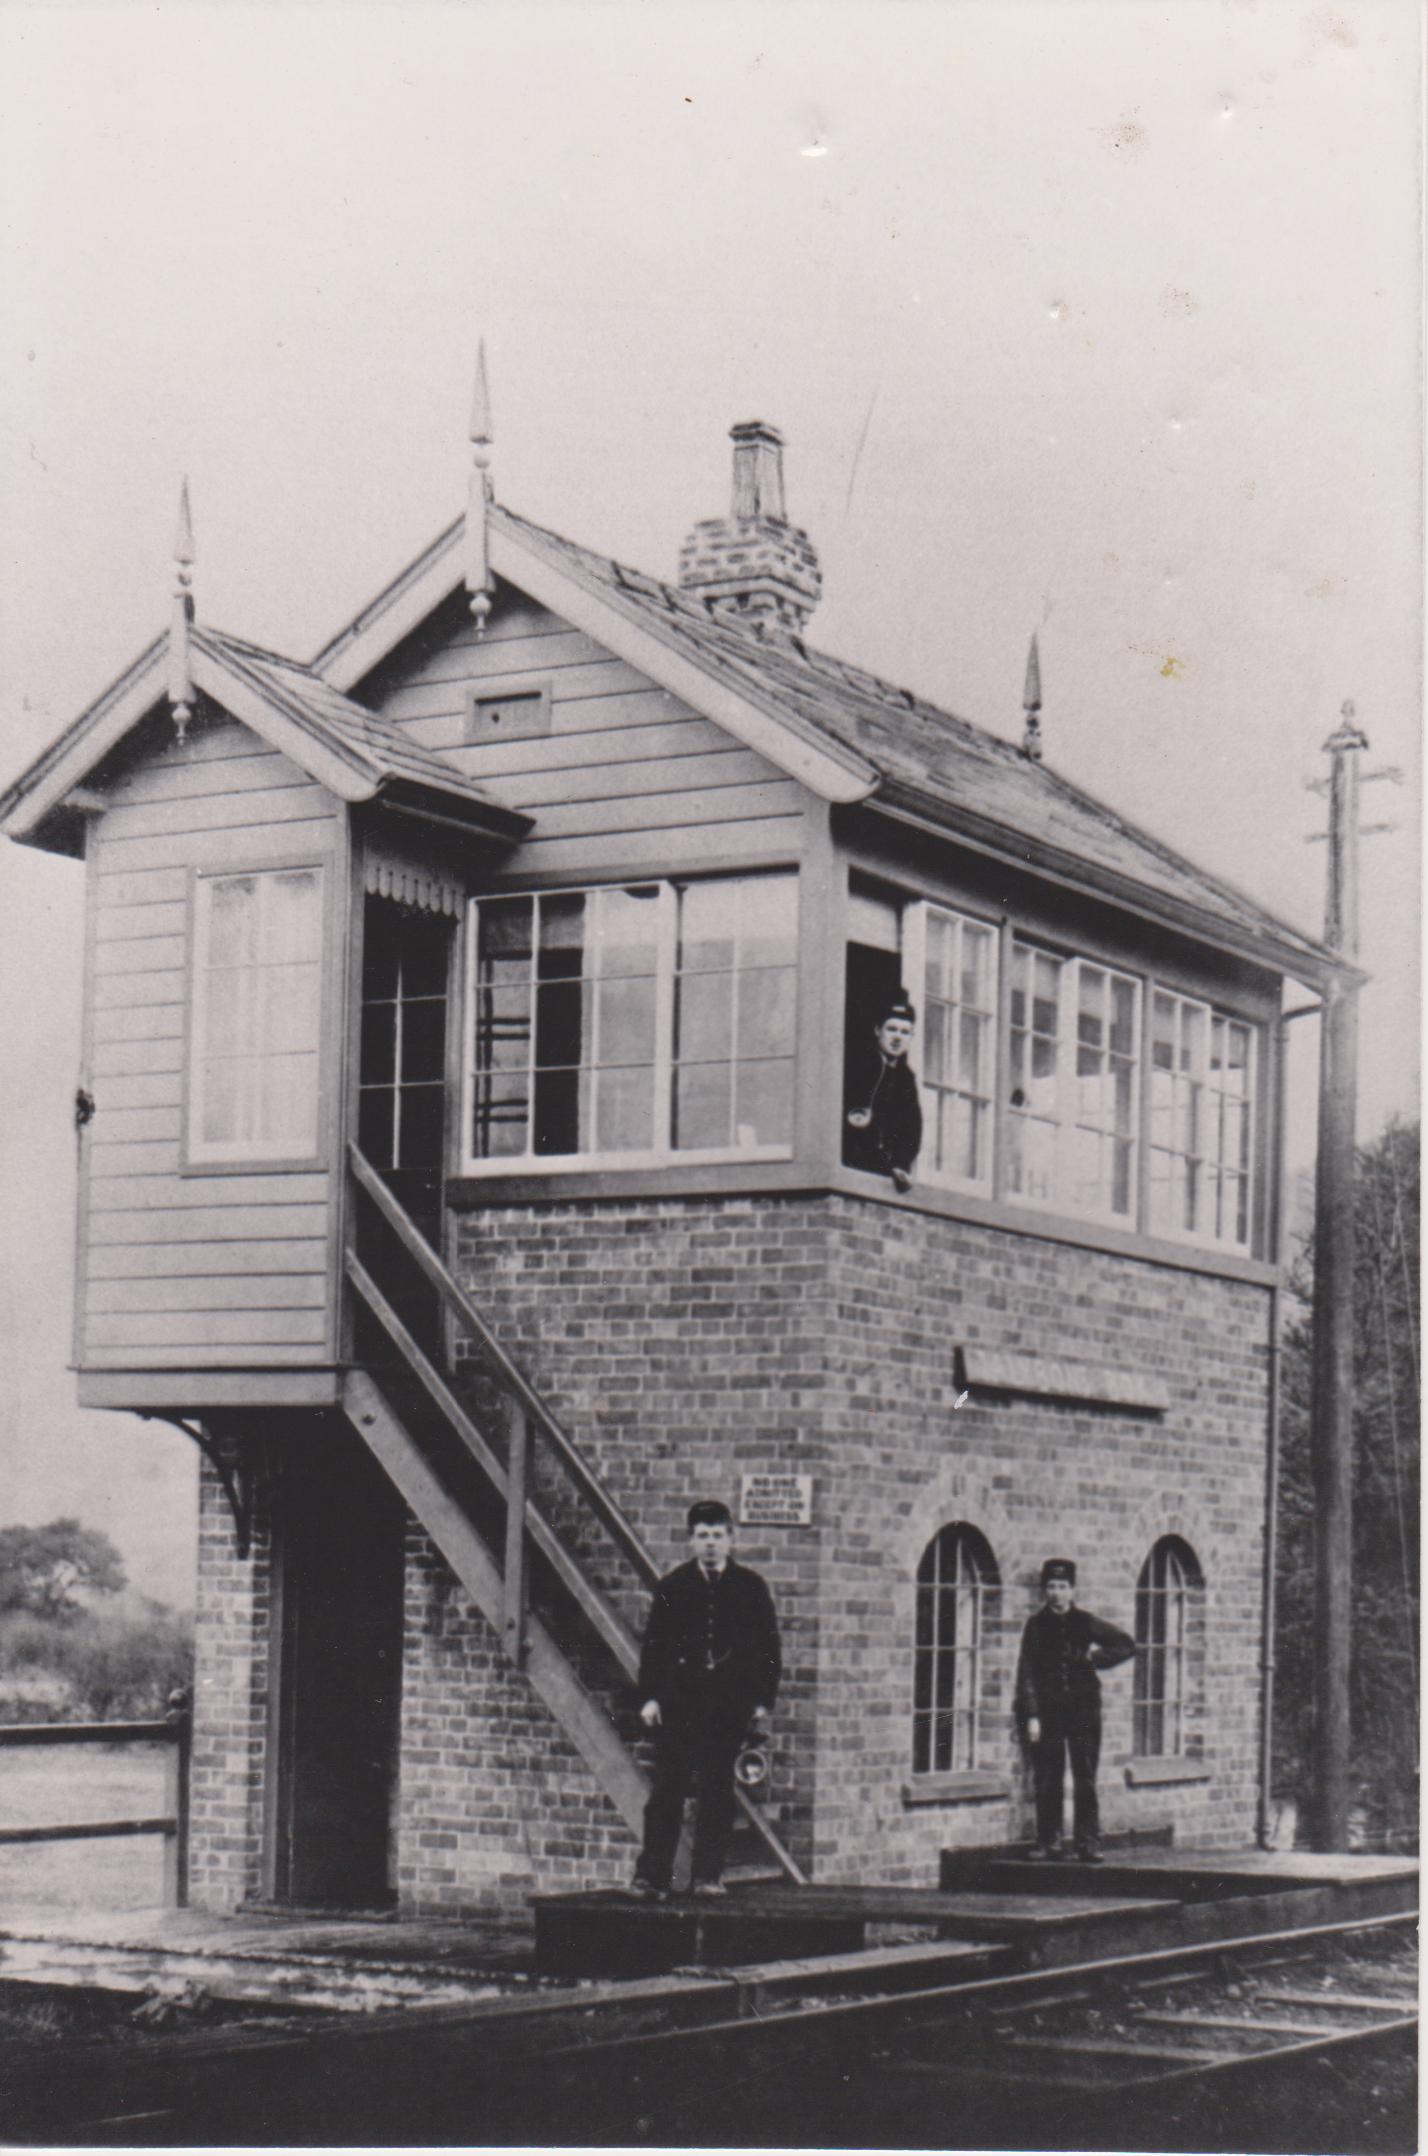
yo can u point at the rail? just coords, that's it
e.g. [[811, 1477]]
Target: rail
[[175, 1730]]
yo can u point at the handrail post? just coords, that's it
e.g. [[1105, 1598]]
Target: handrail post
[[518, 1430], [177, 1767]]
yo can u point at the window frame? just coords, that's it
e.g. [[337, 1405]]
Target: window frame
[[967, 1542], [915, 916], [665, 1063], [1212, 1014], [220, 1157], [1066, 1121], [1184, 1597]]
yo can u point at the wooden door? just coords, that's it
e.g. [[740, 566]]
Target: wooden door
[[339, 1549]]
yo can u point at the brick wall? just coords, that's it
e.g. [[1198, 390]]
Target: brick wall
[[684, 1342], [230, 1701]]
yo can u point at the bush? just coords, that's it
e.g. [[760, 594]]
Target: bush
[[116, 1664]]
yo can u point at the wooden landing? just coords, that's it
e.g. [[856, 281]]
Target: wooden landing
[[609, 1933], [1377, 1884]]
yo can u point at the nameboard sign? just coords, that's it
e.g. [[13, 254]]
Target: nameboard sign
[[776, 1501]]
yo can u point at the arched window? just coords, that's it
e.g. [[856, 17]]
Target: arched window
[[1168, 1607], [956, 1582]]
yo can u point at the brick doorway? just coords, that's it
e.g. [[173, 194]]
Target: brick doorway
[[339, 1578]]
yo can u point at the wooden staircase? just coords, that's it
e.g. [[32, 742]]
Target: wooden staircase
[[505, 1505]]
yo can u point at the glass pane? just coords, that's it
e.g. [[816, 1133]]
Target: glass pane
[[624, 1111], [292, 916], [763, 1103], [767, 1005], [499, 1113], [625, 1020], [705, 1018], [423, 1041], [978, 946], [379, 952], [935, 1022], [971, 1034], [379, 1044], [941, 957], [1123, 1010], [562, 934], [627, 931], [703, 1106], [230, 1004], [426, 945], [289, 1102], [708, 927], [768, 920], [225, 1089], [423, 1123], [560, 1023], [503, 1028], [232, 920], [293, 996], [562, 1111], [374, 1126]]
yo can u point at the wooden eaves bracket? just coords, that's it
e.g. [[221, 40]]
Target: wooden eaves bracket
[[237, 1480]]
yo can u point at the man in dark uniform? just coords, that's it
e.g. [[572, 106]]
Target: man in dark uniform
[[1058, 1706], [709, 1668], [882, 1109]]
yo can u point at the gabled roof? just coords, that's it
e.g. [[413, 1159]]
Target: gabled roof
[[355, 753], [889, 747]]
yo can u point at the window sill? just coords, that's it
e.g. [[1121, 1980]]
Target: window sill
[[978, 1787], [1156, 1773]]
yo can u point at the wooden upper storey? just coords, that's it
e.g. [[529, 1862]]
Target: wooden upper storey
[[574, 829]]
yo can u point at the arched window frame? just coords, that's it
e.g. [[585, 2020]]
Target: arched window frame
[[957, 1601], [1169, 1628]]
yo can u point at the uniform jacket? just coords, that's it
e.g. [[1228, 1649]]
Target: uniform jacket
[[711, 1640], [1056, 1681], [889, 1091]]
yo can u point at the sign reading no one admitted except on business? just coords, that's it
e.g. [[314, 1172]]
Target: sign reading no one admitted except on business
[[776, 1501]]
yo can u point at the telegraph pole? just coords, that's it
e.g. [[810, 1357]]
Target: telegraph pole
[[1331, 1413]]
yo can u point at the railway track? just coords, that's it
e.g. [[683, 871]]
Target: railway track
[[1027, 2055]]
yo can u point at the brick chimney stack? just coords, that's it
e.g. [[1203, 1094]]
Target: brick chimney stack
[[753, 568]]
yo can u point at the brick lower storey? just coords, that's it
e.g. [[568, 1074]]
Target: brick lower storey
[[686, 1343]]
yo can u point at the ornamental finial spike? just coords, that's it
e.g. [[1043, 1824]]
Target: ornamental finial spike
[[181, 618], [478, 495], [1031, 704]]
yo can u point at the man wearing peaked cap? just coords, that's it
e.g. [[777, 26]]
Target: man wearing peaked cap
[[709, 1669], [1058, 1707], [883, 1111]]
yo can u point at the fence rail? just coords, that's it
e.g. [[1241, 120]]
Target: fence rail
[[175, 1731]]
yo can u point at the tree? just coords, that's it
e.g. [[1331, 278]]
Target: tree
[[48, 1571], [1386, 1587]]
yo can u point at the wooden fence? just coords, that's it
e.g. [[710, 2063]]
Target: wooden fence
[[174, 1731]]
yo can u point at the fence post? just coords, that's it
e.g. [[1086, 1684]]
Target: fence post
[[518, 1453], [179, 1716]]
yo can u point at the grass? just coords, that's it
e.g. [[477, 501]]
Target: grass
[[64, 1785]]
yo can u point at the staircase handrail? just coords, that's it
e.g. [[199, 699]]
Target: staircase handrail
[[588, 1482]]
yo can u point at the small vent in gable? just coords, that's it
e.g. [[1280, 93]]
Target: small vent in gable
[[496, 713]]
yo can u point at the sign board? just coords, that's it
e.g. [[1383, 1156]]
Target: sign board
[[776, 1501]]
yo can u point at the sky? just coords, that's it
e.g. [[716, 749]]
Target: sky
[[1094, 317]]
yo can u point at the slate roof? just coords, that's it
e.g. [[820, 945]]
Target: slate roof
[[380, 748], [930, 763]]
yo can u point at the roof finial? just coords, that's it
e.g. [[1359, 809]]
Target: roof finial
[[1031, 704], [181, 616], [478, 495]]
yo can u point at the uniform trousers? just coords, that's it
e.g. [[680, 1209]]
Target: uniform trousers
[[1079, 1739], [697, 1741]]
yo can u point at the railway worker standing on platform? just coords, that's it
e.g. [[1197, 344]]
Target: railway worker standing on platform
[[1058, 1706], [709, 1669]]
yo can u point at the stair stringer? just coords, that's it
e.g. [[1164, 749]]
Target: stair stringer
[[551, 1675]]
